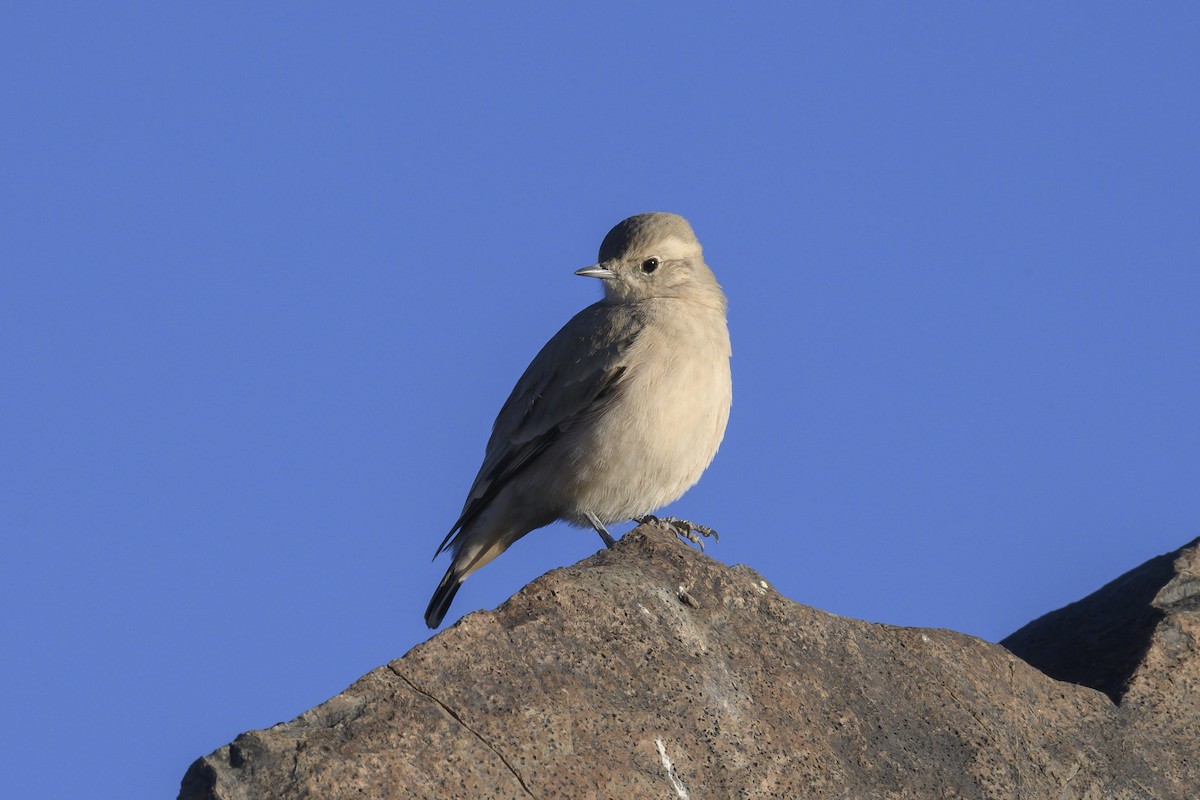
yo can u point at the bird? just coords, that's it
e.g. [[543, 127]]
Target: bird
[[619, 413]]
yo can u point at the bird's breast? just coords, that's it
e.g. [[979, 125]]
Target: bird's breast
[[665, 421]]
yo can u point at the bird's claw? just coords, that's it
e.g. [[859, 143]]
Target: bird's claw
[[683, 528]]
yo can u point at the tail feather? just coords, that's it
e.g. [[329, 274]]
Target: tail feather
[[443, 596]]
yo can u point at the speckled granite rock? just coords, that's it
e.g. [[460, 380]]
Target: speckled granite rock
[[653, 671]]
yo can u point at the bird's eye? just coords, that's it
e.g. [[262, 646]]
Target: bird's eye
[[649, 265]]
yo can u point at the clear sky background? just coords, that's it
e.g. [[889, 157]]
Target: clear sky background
[[268, 274]]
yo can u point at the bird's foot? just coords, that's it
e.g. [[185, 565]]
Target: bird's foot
[[683, 528]]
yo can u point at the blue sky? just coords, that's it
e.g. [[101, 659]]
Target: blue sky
[[269, 274]]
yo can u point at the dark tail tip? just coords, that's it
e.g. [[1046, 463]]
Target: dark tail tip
[[443, 596]]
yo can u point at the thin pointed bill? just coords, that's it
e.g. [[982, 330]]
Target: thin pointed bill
[[596, 271]]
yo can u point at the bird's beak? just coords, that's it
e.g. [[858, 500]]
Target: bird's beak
[[596, 271]]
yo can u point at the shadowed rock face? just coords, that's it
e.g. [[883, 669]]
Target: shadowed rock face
[[1104, 640], [653, 671]]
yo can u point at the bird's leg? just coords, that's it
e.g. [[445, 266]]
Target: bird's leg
[[609, 541], [683, 528]]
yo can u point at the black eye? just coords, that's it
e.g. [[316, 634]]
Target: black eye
[[649, 265]]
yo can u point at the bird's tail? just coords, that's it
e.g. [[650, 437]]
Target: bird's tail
[[443, 596]]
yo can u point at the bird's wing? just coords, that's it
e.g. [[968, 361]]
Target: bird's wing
[[568, 381]]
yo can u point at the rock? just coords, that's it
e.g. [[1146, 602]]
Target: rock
[[653, 671], [1137, 639]]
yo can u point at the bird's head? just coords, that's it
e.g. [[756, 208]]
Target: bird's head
[[654, 255]]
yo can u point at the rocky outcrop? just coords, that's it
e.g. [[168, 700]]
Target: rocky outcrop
[[653, 671]]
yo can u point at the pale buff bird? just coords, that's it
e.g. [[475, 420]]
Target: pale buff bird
[[620, 412]]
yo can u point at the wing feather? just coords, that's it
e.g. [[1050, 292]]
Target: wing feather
[[568, 380]]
